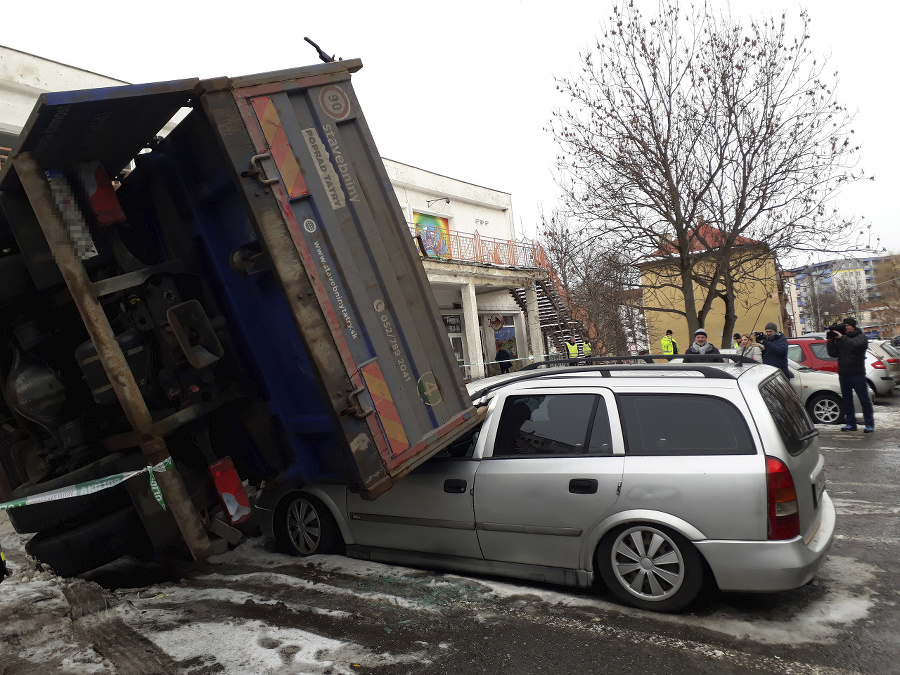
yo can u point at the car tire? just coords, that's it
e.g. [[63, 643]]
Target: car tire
[[826, 408], [53, 515], [74, 551], [666, 580], [303, 526]]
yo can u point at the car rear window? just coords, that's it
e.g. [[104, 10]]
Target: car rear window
[[678, 424], [794, 424], [795, 353]]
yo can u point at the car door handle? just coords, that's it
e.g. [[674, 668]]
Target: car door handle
[[583, 486], [455, 486]]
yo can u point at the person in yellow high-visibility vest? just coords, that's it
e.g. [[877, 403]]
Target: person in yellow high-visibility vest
[[572, 348], [669, 346], [586, 350]]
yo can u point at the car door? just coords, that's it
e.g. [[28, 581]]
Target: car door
[[551, 469], [823, 360], [429, 510]]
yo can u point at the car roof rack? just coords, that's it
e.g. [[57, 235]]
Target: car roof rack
[[606, 365]]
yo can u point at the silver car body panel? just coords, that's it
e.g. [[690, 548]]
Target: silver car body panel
[[771, 565], [518, 516]]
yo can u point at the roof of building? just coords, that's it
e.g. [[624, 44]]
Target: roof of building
[[701, 238]]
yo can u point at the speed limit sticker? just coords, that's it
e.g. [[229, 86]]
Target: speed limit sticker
[[334, 102]]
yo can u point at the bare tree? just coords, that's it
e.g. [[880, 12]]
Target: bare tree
[[886, 290], [595, 282], [690, 115]]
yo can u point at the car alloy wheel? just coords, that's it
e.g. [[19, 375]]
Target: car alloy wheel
[[826, 409], [647, 563], [651, 567], [304, 526]]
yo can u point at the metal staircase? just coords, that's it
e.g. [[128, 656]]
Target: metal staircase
[[555, 319]]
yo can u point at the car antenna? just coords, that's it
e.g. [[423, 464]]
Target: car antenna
[[322, 55]]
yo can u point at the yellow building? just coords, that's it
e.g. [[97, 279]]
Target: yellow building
[[756, 290]]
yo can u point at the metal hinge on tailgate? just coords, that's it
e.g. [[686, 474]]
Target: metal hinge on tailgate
[[261, 169]]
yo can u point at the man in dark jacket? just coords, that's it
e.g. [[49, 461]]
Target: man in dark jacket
[[850, 349], [701, 345], [775, 349]]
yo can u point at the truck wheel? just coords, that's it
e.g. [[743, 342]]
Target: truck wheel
[[826, 408], [303, 525], [51, 515], [92, 545], [650, 567]]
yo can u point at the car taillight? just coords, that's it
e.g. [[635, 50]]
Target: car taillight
[[879, 365], [893, 362], [784, 515]]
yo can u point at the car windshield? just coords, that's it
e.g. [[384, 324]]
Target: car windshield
[[797, 366]]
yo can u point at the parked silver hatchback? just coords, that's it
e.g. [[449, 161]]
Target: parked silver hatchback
[[645, 476]]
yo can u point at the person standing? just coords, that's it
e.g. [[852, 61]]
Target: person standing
[[503, 359], [702, 346], [669, 346], [737, 337], [749, 347], [775, 349], [850, 349], [572, 349], [586, 349]]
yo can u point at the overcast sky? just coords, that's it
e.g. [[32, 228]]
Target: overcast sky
[[463, 89]]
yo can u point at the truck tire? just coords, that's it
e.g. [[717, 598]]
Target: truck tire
[[303, 526], [52, 515], [78, 550]]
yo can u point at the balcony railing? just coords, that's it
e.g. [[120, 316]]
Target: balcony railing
[[453, 245]]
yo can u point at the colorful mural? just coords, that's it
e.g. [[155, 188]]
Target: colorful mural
[[435, 234]]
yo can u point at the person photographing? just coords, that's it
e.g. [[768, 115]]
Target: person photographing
[[849, 345]]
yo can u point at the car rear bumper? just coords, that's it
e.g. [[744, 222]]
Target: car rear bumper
[[770, 565]]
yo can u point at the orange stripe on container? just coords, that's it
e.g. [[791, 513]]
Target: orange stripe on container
[[281, 150], [384, 404]]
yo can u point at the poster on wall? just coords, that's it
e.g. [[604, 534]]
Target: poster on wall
[[435, 234]]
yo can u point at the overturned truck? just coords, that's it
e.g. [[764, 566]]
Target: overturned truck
[[236, 303]]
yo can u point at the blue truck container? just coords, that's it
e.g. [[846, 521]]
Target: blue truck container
[[256, 272]]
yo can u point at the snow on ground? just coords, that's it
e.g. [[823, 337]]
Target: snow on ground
[[35, 624]]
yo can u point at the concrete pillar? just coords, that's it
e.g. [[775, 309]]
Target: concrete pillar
[[521, 338], [472, 331], [535, 337]]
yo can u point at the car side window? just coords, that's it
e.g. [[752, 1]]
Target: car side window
[[682, 424], [552, 424], [795, 353], [820, 350]]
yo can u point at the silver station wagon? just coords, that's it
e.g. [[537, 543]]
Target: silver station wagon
[[654, 479]]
